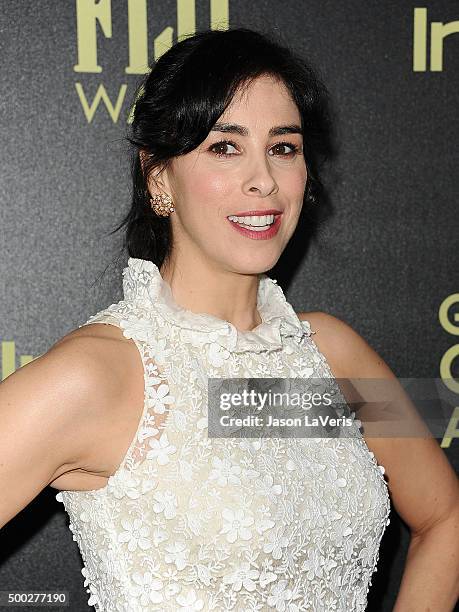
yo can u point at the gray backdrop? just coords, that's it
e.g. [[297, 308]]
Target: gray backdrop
[[387, 251]]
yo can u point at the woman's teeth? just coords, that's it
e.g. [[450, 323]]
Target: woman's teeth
[[258, 224]]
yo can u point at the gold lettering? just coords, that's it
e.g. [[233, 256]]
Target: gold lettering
[[186, 26], [452, 353], [452, 431], [101, 94], [445, 368], [219, 14], [8, 354], [25, 359], [420, 40], [89, 12], [443, 314], [8, 358], [439, 31], [138, 37], [163, 42], [186, 19]]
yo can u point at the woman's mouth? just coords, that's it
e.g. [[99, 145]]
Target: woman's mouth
[[257, 227]]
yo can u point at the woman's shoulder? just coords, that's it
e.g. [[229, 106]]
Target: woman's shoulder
[[347, 352], [83, 396], [110, 380], [320, 318], [100, 344], [98, 336], [97, 330]]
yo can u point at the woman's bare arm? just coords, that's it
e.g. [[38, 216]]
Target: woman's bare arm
[[51, 412], [423, 486]]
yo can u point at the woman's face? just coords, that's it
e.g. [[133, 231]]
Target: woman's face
[[256, 164]]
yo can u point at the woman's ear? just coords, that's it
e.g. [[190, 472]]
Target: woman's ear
[[143, 155], [154, 180]]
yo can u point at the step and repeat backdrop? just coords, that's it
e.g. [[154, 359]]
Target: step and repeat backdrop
[[386, 254]]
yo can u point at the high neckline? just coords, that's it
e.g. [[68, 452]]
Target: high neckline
[[142, 282]]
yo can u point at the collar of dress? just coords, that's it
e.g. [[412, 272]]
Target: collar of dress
[[143, 283]]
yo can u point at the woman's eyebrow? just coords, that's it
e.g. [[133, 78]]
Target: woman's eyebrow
[[234, 128]]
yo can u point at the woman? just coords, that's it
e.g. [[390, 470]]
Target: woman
[[227, 133]]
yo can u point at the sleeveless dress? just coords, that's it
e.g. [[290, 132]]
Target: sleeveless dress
[[190, 523]]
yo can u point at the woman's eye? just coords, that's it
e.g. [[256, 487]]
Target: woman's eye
[[282, 145], [219, 148]]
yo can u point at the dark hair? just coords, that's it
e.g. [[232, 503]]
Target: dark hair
[[183, 96]]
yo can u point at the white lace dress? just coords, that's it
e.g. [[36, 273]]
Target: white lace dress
[[191, 523]]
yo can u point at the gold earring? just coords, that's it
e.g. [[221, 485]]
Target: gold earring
[[162, 204]]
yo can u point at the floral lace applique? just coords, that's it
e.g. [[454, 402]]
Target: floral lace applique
[[189, 522]]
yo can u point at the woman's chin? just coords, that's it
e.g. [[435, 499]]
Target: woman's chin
[[254, 265]]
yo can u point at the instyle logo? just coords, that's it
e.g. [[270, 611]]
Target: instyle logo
[[94, 19], [421, 38]]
